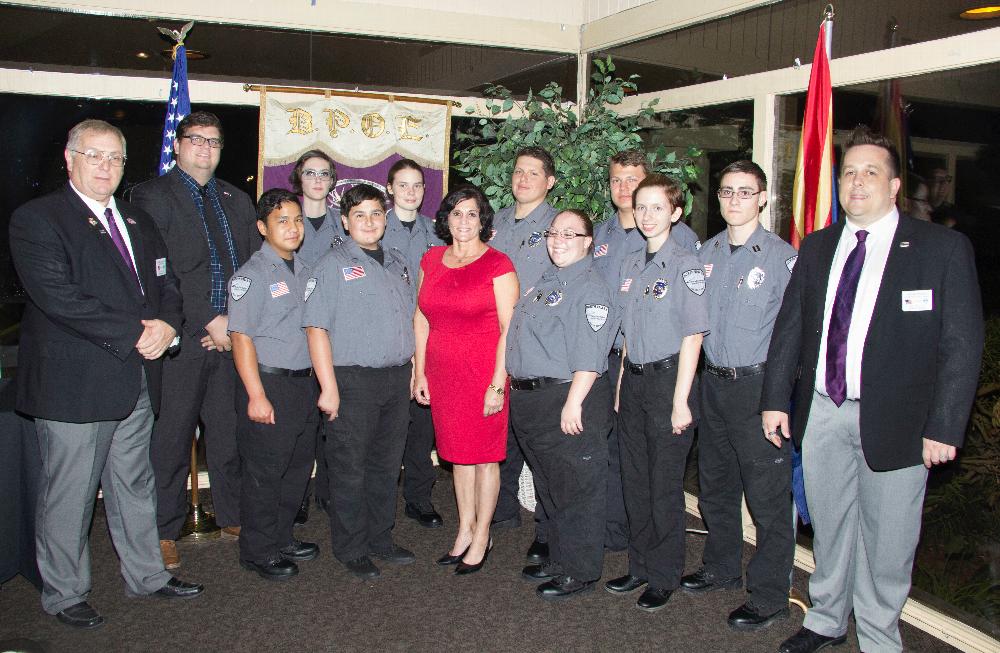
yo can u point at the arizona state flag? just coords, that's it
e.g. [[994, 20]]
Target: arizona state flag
[[813, 192]]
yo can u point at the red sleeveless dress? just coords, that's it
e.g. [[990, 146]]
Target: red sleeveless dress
[[460, 307]]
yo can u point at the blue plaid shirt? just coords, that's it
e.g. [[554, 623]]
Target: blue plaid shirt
[[211, 191]]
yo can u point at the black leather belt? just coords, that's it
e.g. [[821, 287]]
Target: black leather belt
[[643, 368], [536, 383], [735, 372], [280, 371], [616, 351]]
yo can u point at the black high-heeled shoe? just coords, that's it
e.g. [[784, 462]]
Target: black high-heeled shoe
[[448, 559], [464, 569]]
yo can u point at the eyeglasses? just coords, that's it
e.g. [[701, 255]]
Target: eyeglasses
[[96, 157], [566, 234], [214, 143], [309, 173], [743, 193]]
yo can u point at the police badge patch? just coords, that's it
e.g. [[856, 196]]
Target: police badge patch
[[597, 316], [755, 279], [310, 287], [534, 238], [790, 263], [239, 287], [695, 281], [553, 298], [660, 289]]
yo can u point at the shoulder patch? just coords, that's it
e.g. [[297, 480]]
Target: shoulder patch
[[790, 262], [597, 316], [239, 286], [310, 287], [694, 279]]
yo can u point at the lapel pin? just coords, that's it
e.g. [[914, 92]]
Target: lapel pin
[[130, 220], [905, 243]]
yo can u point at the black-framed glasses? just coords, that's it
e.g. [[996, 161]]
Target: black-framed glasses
[[309, 173], [565, 234], [743, 193], [214, 143], [96, 157]]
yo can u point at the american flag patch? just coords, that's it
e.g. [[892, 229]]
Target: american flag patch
[[601, 250], [626, 284], [352, 273], [708, 269], [279, 289]]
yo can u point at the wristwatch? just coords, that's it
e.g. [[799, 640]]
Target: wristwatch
[[495, 389]]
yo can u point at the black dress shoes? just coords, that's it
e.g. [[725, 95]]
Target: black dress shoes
[[426, 517], [448, 559], [624, 584], [275, 568], [300, 551], [563, 587], [178, 589], [81, 616], [750, 617], [702, 581], [302, 516], [464, 569], [538, 553], [653, 599], [806, 641], [536, 572], [396, 555], [363, 568]]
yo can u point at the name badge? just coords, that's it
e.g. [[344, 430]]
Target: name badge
[[918, 300], [161, 267]]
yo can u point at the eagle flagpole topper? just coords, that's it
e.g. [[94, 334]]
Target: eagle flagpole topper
[[178, 102]]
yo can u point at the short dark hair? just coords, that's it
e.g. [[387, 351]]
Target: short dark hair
[[588, 222], [671, 187], [863, 135], [747, 167], [199, 119], [358, 194], [630, 158], [452, 199], [295, 178], [540, 153], [272, 199], [402, 164]]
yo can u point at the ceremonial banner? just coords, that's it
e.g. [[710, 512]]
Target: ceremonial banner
[[364, 134]]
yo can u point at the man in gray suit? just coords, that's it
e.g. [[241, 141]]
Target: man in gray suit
[[102, 309]]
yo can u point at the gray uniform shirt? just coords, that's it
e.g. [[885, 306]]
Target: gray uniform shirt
[[564, 324], [265, 304], [744, 290], [412, 243], [315, 243], [522, 240], [367, 309], [661, 302]]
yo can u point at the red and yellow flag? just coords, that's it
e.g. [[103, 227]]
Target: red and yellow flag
[[813, 190]]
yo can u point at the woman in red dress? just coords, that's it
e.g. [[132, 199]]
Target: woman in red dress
[[465, 299]]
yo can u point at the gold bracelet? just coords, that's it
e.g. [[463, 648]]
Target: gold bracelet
[[495, 389]]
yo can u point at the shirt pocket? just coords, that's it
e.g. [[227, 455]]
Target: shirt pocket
[[750, 309]]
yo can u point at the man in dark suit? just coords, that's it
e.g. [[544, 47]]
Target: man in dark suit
[[880, 336], [210, 230], [102, 309]]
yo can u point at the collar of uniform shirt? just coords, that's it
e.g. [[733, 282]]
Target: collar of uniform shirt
[[536, 215], [756, 239], [669, 248], [567, 274], [272, 257]]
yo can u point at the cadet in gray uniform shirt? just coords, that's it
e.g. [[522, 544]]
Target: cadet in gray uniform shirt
[[518, 233], [664, 314], [359, 321], [561, 403], [276, 401], [747, 269]]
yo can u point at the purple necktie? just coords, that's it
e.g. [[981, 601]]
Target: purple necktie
[[840, 322], [116, 238]]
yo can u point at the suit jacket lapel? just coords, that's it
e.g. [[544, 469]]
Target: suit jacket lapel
[[138, 248], [826, 251], [890, 289], [103, 236]]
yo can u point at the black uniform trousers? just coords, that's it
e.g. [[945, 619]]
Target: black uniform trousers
[[653, 461], [321, 486], [735, 459], [364, 450], [508, 506], [616, 529], [573, 469], [418, 473], [196, 388], [277, 460]]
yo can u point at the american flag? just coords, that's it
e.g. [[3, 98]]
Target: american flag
[[279, 289], [626, 285], [602, 250], [352, 273], [178, 106]]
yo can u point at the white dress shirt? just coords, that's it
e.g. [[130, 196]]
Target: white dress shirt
[[877, 246], [98, 210]]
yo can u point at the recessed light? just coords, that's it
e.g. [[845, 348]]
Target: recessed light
[[142, 55], [981, 13]]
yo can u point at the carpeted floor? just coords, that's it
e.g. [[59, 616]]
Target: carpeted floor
[[420, 607]]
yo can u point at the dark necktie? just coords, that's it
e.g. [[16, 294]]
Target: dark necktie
[[840, 322], [116, 238]]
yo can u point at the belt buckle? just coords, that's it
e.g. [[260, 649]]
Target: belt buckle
[[730, 373]]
